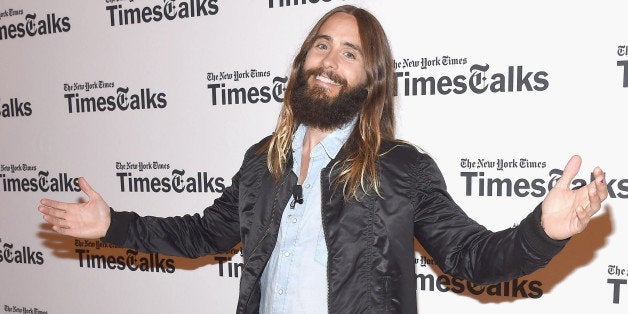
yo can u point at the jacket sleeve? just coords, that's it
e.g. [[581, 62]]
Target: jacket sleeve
[[216, 230], [465, 249]]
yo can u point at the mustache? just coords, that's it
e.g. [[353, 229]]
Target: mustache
[[328, 73]]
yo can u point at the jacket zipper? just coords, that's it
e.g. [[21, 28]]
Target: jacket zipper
[[326, 244], [266, 232]]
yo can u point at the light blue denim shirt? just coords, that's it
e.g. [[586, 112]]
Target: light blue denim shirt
[[295, 278]]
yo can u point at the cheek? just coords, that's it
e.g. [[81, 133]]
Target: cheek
[[358, 77], [311, 60]]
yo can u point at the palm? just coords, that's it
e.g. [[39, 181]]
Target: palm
[[88, 215]]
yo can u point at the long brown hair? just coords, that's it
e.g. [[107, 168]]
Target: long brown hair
[[376, 119]]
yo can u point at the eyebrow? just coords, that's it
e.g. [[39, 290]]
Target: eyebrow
[[345, 43]]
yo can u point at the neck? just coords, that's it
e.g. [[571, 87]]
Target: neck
[[313, 136]]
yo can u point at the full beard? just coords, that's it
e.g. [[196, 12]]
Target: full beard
[[313, 107]]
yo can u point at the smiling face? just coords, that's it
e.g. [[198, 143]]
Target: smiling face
[[329, 88], [335, 61]]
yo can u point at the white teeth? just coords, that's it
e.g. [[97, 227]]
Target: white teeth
[[325, 80]]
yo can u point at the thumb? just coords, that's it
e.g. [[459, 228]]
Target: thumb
[[570, 172], [86, 188]]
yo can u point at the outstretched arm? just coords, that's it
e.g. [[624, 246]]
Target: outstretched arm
[[89, 220], [567, 212], [466, 249], [217, 229]]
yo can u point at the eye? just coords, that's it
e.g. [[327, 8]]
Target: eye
[[321, 46], [350, 55]]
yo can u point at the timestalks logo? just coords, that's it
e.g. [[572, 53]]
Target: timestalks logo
[[15, 108], [170, 10], [479, 81], [131, 261], [50, 24], [10, 12], [20, 255], [253, 94], [617, 283], [516, 288], [476, 183], [227, 268], [287, 3], [179, 183], [45, 182], [123, 101]]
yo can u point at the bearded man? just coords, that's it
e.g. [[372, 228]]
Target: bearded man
[[328, 207]]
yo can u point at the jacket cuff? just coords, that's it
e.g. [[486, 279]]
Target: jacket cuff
[[118, 229], [539, 241]]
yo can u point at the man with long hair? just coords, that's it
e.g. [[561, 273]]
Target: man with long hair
[[328, 207]]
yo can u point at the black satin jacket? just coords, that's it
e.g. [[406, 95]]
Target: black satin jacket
[[371, 266]]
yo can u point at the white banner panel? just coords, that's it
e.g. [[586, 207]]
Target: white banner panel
[[174, 91]]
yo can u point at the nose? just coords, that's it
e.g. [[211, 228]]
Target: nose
[[331, 60]]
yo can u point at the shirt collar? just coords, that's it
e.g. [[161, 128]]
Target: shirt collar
[[330, 145]]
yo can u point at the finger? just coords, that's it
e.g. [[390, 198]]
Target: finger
[[53, 212], [55, 204], [86, 188], [581, 213], [55, 221], [570, 171], [61, 230], [595, 203], [600, 183], [583, 218]]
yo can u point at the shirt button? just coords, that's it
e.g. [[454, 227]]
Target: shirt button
[[307, 186], [286, 254], [294, 220], [280, 291]]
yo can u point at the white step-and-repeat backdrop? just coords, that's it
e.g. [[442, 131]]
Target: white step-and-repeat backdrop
[[172, 92]]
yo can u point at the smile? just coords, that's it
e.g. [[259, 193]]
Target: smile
[[326, 80]]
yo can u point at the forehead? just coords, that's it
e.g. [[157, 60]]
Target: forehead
[[342, 27]]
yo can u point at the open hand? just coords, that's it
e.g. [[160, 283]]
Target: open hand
[[88, 220], [567, 212]]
